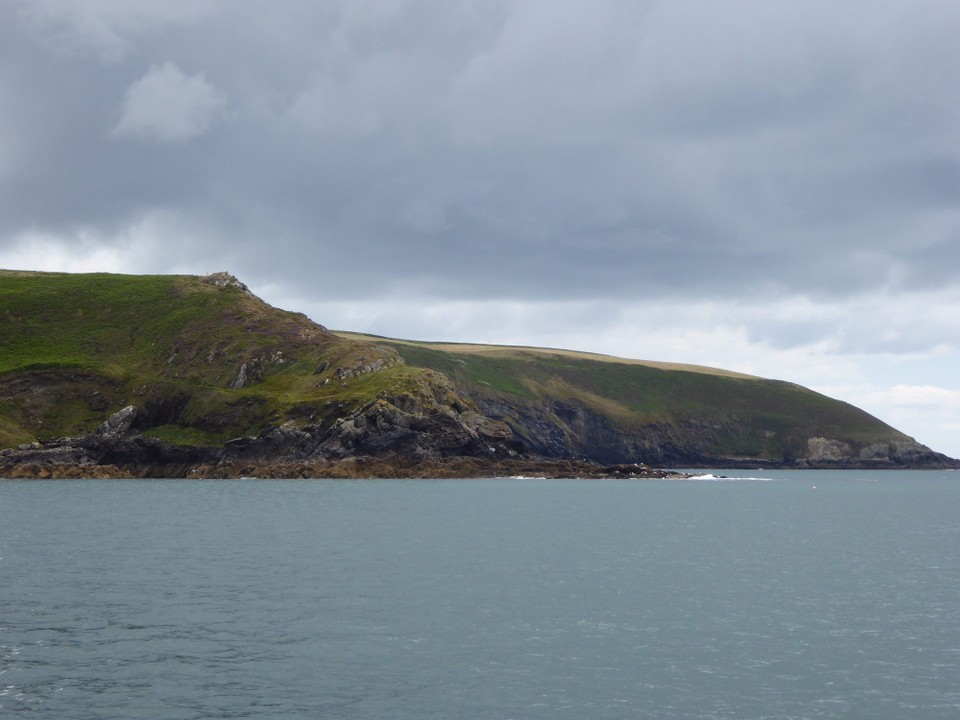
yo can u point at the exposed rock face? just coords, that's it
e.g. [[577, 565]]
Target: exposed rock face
[[116, 427], [384, 428], [395, 439], [241, 378], [433, 427], [224, 279], [373, 360], [822, 449], [433, 423], [285, 441], [907, 453], [114, 444], [910, 452], [563, 429]]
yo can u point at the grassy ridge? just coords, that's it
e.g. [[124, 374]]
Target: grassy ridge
[[501, 351], [76, 347], [761, 418]]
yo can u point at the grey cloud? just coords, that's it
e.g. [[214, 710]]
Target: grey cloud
[[167, 105], [496, 149], [107, 29]]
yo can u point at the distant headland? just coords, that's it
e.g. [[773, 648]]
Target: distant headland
[[182, 376]]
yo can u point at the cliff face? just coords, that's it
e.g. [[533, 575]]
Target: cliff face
[[567, 429], [414, 436], [428, 440], [170, 376]]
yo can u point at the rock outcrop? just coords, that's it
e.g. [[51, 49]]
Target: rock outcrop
[[224, 279], [825, 453], [434, 427], [568, 428]]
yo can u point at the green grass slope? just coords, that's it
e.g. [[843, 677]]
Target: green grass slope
[[77, 347], [722, 413]]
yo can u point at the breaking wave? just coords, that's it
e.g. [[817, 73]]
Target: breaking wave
[[729, 478]]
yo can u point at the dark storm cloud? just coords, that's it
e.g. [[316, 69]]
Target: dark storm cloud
[[496, 149]]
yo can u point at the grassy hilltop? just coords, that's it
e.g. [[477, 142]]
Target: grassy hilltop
[[78, 347], [204, 361]]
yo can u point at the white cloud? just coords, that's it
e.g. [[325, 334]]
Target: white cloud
[[149, 241], [913, 397], [50, 253], [167, 105]]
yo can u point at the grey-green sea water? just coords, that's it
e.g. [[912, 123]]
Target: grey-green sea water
[[801, 595]]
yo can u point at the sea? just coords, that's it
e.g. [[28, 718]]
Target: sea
[[740, 594]]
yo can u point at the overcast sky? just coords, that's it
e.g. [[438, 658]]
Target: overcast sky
[[762, 185]]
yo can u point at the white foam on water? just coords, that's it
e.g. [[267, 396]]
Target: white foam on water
[[726, 478]]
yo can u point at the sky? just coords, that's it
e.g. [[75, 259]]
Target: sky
[[767, 186]]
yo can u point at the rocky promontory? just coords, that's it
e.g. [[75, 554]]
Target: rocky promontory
[[382, 441]]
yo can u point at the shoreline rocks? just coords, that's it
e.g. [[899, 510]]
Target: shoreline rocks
[[350, 468], [399, 437]]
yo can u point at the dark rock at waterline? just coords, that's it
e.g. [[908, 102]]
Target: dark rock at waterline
[[384, 439]]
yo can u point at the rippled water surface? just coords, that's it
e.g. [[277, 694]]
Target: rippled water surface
[[808, 595]]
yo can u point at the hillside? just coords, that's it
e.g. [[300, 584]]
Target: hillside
[[178, 374], [610, 409]]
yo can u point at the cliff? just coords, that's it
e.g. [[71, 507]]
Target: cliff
[[178, 375]]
